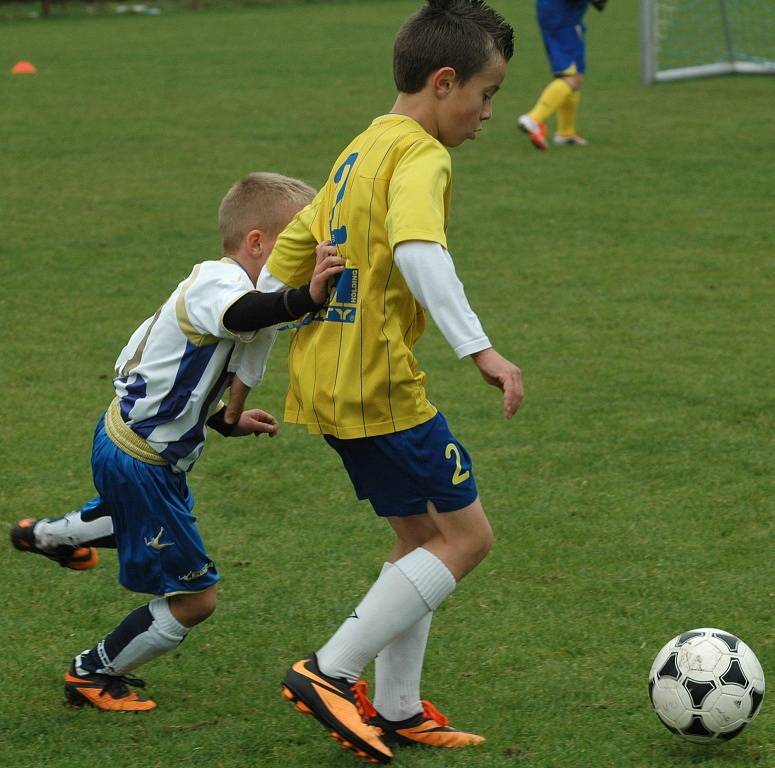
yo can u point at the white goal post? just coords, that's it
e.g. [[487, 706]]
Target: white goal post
[[682, 39]]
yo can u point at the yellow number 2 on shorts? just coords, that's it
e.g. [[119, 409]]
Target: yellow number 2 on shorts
[[458, 476]]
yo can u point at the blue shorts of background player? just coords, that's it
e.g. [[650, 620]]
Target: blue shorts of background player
[[160, 550], [416, 466], [565, 47]]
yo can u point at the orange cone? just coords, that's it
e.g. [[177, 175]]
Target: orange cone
[[23, 68]]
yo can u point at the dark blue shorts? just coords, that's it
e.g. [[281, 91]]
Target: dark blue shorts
[[401, 472], [160, 550]]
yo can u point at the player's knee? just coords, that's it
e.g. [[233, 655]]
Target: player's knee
[[208, 605], [481, 543], [575, 81], [193, 609], [488, 539]]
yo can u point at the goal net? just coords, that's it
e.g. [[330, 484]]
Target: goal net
[[696, 38]]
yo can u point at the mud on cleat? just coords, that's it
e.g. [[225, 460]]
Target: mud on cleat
[[428, 727], [107, 692], [340, 706], [75, 558]]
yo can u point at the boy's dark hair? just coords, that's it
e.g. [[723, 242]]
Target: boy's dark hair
[[462, 34]]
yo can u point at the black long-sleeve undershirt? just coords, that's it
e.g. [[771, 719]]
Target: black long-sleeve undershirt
[[257, 310]]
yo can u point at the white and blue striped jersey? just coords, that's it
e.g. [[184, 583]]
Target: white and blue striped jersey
[[172, 372]]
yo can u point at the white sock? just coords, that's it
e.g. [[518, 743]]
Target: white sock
[[144, 634], [71, 530], [399, 670], [399, 598]]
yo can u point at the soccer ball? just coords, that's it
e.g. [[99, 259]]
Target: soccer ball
[[706, 685]]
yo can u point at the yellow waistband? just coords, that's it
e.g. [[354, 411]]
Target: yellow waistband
[[128, 440]]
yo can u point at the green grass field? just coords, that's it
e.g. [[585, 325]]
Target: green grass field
[[633, 281]]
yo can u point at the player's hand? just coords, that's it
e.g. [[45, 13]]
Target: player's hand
[[256, 422], [328, 264], [501, 373]]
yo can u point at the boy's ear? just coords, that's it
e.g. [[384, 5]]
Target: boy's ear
[[443, 80], [253, 241]]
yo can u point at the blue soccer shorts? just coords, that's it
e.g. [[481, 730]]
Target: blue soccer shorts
[[160, 550], [401, 472], [566, 49]]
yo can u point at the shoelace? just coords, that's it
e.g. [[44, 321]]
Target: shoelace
[[433, 714], [116, 685], [365, 708]]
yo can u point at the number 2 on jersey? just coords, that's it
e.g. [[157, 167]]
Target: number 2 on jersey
[[339, 234], [458, 476]]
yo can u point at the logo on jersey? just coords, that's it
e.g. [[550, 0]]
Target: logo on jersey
[[156, 542], [343, 304]]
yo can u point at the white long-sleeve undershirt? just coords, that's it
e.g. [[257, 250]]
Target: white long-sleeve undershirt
[[430, 275]]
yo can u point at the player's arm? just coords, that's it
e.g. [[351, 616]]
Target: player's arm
[[238, 395], [252, 358], [429, 273], [232, 420], [259, 309], [251, 422]]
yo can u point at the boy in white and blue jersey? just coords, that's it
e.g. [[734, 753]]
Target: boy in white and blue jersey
[[169, 380]]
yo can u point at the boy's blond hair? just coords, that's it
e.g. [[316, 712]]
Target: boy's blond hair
[[259, 201]]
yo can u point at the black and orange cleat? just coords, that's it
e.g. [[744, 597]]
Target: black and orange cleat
[[107, 692], [75, 558], [428, 727], [340, 706]]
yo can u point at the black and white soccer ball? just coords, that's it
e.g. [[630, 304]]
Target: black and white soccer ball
[[706, 685]]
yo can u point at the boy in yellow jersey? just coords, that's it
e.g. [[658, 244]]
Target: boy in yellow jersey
[[355, 380], [563, 31]]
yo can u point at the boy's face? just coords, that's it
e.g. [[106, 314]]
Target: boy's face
[[468, 105]]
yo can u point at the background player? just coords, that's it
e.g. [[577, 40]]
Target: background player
[[563, 31], [354, 377], [169, 378]]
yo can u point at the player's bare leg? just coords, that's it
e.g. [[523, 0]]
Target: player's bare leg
[[460, 539], [192, 608]]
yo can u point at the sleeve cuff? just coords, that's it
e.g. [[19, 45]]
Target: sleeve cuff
[[472, 347]]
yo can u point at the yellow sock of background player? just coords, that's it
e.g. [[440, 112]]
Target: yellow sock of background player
[[550, 100], [566, 114]]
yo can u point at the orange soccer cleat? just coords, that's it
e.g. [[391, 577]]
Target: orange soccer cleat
[[75, 558], [340, 706], [428, 727], [535, 131], [107, 692]]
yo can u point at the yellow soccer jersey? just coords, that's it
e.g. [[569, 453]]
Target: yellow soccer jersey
[[352, 370]]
